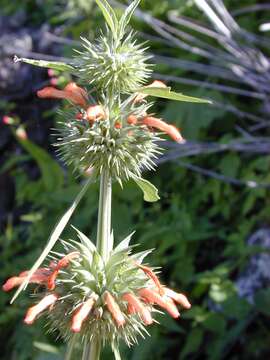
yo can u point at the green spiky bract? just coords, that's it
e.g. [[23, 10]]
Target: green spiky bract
[[115, 64], [124, 152]]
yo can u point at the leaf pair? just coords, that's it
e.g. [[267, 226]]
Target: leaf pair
[[117, 27]]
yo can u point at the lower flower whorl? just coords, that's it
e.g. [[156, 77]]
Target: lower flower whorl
[[80, 293]]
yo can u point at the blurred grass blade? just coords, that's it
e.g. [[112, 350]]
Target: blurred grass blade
[[57, 231], [166, 93], [109, 15], [116, 352], [70, 347], [56, 65], [46, 347], [150, 192], [125, 19], [51, 173]]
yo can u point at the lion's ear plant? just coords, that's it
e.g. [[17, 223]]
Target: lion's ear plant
[[95, 295]]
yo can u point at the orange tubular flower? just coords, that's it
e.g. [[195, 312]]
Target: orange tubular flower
[[95, 112], [152, 297], [71, 92], [179, 298], [64, 262], [136, 306], [150, 273], [118, 125], [81, 315], [114, 309], [155, 83], [33, 311], [132, 120], [163, 126], [40, 276]]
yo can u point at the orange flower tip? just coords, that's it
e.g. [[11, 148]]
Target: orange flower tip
[[181, 299], [76, 94], [46, 92], [132, 120], [117, 125], [28, 321], [171, 308], [114, 309], [10, 283], [35, 310], [75, 328], [74, 88], [81, 314]]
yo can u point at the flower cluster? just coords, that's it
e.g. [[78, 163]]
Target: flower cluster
[[122, 140], [114, 63], [109, 300]]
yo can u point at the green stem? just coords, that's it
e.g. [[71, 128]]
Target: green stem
[[95, 349], [70, 347], [104, 241], [104, 246]]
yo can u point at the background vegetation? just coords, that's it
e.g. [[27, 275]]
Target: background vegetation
[[200, 227]]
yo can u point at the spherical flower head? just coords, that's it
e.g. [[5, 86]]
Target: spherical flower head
[[106, 141], [108, 300], [120, 138], [116, 64]]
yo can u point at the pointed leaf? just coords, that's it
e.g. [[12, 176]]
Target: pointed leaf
[[124, 244], [150, 192], [57, 231], [125, 19], [85, 240], [139, 257], [166, 93], [109, 15], [56, 65]]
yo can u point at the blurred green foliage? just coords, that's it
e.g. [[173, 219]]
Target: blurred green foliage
[[199, 227]]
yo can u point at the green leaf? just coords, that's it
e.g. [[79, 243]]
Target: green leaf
[[116, 352], [191, 119], [150, 192], [193, 343], [57, 231], [85, 240], [51, 173], [109, 15], [125, 19], [262, 301], [124, 244], [56, 65], [166, 93], [46, 347]]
